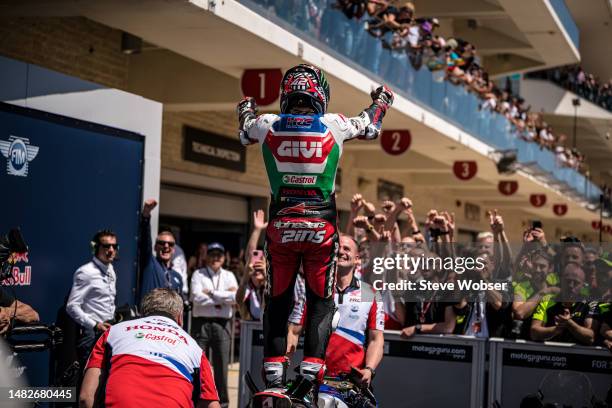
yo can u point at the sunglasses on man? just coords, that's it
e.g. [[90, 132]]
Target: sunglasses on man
[[109, 246], [162, 243]]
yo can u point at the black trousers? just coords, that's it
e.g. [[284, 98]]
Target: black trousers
[[214, 334]]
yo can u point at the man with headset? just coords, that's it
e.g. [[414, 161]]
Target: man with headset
[[91, 303]]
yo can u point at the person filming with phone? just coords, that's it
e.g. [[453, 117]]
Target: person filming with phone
[[213, 293], [249, 296], [251, 290]]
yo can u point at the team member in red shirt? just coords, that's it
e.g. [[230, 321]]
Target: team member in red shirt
[[149, 362], [358, 340]]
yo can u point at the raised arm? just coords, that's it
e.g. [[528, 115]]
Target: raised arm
[[392, 212], [259, 225], [356, 205], [146, 246], [252, 128], [247, 116], [445, 327], [368, 123], [503, 253]]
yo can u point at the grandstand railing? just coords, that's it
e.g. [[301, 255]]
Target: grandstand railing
[[567, 21], [348, 41]]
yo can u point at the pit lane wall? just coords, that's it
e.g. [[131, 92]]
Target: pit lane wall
[[453, 371]]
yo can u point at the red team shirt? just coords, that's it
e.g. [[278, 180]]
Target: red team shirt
[[361, 309], [152, 363]]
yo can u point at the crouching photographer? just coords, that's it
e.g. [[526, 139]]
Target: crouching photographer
[[11, 310]]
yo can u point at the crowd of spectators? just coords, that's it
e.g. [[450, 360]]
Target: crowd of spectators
[[556, 291], [577, 80], [408, 38], [458, 62]]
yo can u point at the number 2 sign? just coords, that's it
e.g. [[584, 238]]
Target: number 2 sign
[[261, 84], [395, 142], [465, 170]]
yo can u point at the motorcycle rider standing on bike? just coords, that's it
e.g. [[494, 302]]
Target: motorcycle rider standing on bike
[[301, 148], [361, 317]]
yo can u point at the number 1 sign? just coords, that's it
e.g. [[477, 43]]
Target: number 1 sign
[[262, 84]]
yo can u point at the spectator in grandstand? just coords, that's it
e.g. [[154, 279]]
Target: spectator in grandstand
[[565, 317], [351, 9], [157, 269], [394, 24], [578, 81], [91, 303], [545, 137], [213, 293], [149, 362]]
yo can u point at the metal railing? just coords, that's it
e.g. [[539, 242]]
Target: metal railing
[[436, 370], [567, 21]]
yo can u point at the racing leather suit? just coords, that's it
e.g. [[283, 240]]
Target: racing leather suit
[[301, 155]]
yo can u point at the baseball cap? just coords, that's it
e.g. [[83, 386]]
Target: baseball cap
[[216, 246]]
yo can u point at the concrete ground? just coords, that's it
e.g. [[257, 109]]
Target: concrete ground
[[233, 377]]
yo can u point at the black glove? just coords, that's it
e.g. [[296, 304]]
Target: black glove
[[383, 97], [246, 108]]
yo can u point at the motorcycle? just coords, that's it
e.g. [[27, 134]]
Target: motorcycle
[[335, 392]]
